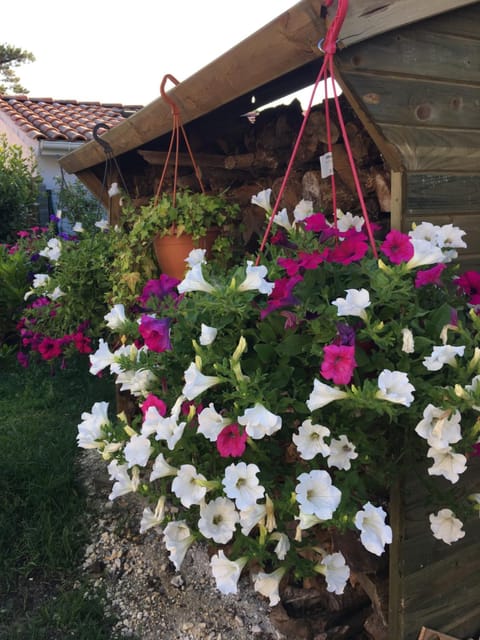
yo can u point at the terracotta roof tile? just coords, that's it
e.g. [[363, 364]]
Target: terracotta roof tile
[[71, 120]]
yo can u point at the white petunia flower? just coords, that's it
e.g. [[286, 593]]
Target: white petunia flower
[[447, 463], [304, 209], [255, 280], [310, 440], [336, 572], [116, 317], [53, 250], [194, 281], [316, 494], [242, 485], [445, 526], [114, 190], [408, 343], [40, 280], [283, 220], [251, 516], [342, 451], [162, 469], [283, 544], [140, 383], [129, 351], [262, 199], [226, 572], [165, 428], [90, 430], [268, 584], [443, 355], [123, 482], [354, 304], [78, 227], [189, 486], [307, 520], [424, 253], [177, 538], [196, 256], [259, 422], [207, 335], [103, 225], [346, 221], [439, 427], [196, 383], [55, 294], [322, 394], [374, 533], [218, 520], [394, 386], [153, 518], [137, 451], [211, 423]]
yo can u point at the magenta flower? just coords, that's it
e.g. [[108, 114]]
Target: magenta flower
[[22, 359], [311, 260], [397, 247], [159, 288], [338, 363], [156, 333], [231, 441], [349, 250], [82, 342], [469, 283], [316, 223], [281, 295], [430, 276], [50, 348], [291, 265], [153, 401]]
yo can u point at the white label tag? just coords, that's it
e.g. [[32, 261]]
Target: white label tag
[[326, 164]]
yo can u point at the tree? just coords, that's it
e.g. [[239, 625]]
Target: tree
[[10, 58], [18, 189]]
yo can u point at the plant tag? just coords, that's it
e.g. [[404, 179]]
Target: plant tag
[[326, 164]]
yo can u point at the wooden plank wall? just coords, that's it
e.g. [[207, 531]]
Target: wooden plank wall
[[433, 584], [418, 89]]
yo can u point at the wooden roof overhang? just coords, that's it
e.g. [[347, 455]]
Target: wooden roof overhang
[[278, 59]]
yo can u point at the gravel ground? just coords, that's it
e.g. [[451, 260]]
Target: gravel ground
[[151, 600]]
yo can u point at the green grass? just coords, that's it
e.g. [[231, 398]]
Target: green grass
[[42, 535]]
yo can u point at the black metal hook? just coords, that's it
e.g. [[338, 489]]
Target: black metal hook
[[103, 143]]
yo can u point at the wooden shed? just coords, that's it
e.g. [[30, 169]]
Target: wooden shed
[[410, 71]]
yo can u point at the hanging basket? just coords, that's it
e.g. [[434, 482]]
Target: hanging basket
[[171, 251]]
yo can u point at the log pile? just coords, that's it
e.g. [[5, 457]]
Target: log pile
[[255, 155]]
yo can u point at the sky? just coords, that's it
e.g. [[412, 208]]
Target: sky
[[119, 51]]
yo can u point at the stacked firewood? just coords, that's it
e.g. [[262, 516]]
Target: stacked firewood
[[256, 154]]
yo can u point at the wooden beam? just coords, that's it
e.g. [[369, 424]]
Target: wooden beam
[[288, 42], [397, 187], [236, 161]]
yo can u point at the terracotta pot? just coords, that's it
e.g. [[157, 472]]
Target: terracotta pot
[[171, 251]]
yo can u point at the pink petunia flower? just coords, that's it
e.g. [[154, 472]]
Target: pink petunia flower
[[231, 441], [397, 247], [156, 333], [349, 250], [338, 363], [153, 401], [316, 223], [50, 348], [282, 295], [430, 276]]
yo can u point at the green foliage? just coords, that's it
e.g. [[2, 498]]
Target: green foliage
[[10, 58], [13, 286], [134, 261], [42, 528], [18, 189], [78, 204], [68, 307]]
